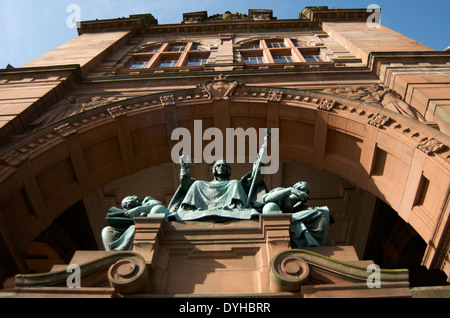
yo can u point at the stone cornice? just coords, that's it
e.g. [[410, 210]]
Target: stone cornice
[[322, 13], [377, 59], [310, 18], [27, 71]]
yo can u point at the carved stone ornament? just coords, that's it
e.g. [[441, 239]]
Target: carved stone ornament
[[117, 112], [290, 269], [261, 14], [13, 158], [326, 104], [167, 100], [65, 130], [220, 88], [126, 272], [430, 146], [275, 96], [129, 275], [379, 120], [370, 94], [194, 17]]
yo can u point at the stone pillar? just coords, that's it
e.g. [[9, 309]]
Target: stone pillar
[[225, 53]]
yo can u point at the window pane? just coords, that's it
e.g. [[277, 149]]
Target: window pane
[[276, 44], [282, 59], [196, 47], [176, 48], [253, 59], [153, 50], [168, 63], [196, 62], [312, 58], [137, 65], [252, 46]]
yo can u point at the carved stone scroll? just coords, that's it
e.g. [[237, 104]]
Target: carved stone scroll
[[126, 272], [129, 276], [288, 272], [292, 268]]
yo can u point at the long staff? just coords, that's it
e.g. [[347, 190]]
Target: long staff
[[262, 152]]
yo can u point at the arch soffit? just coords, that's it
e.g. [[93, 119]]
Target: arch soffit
[[367, 127], [415, 134]]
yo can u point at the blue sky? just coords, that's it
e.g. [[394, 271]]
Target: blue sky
[[30, 28]]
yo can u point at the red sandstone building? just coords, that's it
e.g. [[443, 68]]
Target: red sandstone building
[[362, 113]]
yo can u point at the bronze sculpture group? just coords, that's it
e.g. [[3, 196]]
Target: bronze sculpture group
[[219, 200]]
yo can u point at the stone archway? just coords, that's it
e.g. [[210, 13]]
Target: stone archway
[[399, 160]]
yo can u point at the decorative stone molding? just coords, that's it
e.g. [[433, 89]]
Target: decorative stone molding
[[379, 120], [13, 158], [194, 17], [70, 106], [379, 96], [117, 112], [326, 104], [126, 272], [65, 130], [290, 269], [369, 94], [129, 276], [275, 96], [261, 14], [430, 146], [228, 16], [167, 100], [225, 36], [220, 88]]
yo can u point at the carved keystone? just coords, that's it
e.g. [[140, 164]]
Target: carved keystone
[[221, 88]]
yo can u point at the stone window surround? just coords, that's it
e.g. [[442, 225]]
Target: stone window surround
[[264, 49], [185, 51]]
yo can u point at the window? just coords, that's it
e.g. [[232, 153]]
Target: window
[[275, 44], [153, 50], [312, 58], [196, 62], [253, 60], [149, 49], [137, 65], [176, 48], [197, 47], [282, 59], [168, 63], [252, 46]]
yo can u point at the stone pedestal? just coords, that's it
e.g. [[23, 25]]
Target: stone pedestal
[[211, 258], [233, 258]]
